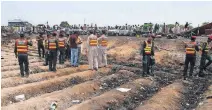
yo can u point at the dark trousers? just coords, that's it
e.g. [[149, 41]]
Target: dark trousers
[[189, 59], [52, 60], [204, 57], [39, 50], [23, 63], [146, 64], [68, 52], [79, 54], [62, 55], [46, 58]]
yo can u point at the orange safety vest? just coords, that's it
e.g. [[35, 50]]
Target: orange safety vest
[[148, 48], [93, 42], [22, 46], [104, 42], [190, 48], [61, 43], [52, 44]]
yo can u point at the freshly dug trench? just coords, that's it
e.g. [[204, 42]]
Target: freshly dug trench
[[16, 67], [161, 79], [114, 96], [12, 58], [64, 97], [168, 98], [207, 103], [131, 69], [33, 70], [47, 86], [16, 62], [15, 81], [193, 92]]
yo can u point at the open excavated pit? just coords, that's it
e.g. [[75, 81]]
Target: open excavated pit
[[34, 89], [168, 98], [15, 81], [64, 97]]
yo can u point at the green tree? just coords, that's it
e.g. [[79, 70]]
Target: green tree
[[64, 24], [170, 25]]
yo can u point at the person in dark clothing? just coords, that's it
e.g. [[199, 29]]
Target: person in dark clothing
[[68, 55], [33, 29], [186, 26], [53, 48], [205, 56], [20, 50], [74, 49], [40, 45], [147, 51], [46, 50], [191, 48]]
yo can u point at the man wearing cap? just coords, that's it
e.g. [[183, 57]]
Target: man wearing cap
[[20, 50], [191, 48], [205, 56], [53, 48]]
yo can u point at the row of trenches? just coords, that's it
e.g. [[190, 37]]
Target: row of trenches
[[82, 89], [164, 90]]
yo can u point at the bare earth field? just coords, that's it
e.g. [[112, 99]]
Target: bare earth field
[[82, 89]]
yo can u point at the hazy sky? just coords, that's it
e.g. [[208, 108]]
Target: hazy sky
[[107, 13]]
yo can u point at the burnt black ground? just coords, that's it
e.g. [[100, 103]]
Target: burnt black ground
[[193, 93], [161, 79]]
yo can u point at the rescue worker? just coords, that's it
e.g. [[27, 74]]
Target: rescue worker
[[53, 48], [79, 46], [205, 56], [46, 50], [21, 49], [74, 49], [40, 45], [191, 48], [148, 54], [102, 55], [92, 51], [61, 43]]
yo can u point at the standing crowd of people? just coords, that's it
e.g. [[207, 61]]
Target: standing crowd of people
[[96, 47], [66, 47]]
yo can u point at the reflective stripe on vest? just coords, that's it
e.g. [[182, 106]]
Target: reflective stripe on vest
[[52, 44], [61, 43], [46, 43], [104, 43], [148, 48], [22, 46], [190, 49], [93, 42], [206, 48]]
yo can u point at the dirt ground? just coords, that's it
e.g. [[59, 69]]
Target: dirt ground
[[77, 88]]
